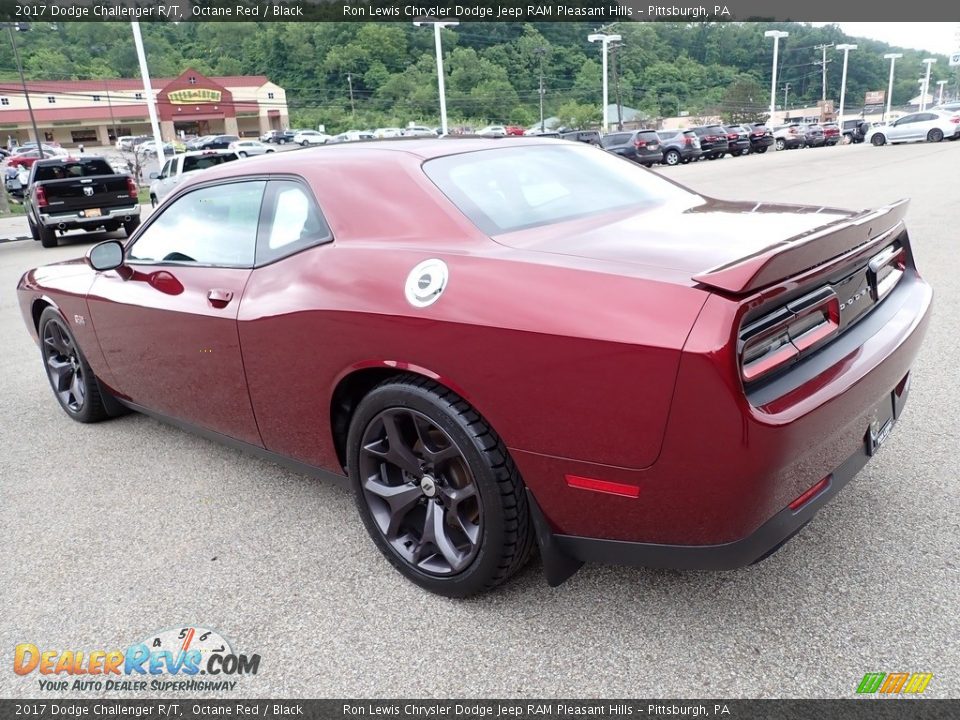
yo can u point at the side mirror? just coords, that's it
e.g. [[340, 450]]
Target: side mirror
[[106, 255], [154, 175]]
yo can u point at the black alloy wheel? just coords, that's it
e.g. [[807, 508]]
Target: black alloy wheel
[[935, 135], [71, 378], [878, 140], [436, 488]]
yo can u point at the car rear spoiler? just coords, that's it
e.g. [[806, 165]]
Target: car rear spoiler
[[802, 252]]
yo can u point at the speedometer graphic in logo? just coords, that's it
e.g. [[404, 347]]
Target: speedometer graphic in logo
[[187, 639]]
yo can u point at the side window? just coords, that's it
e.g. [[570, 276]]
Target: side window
[[292, 221], [165, 173], [210, 226]]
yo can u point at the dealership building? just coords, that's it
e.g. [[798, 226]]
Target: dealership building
[[96, 112]]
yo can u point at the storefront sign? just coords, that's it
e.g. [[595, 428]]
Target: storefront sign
[[191, 96]]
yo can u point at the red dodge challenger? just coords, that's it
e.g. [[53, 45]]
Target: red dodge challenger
[[502, 344]]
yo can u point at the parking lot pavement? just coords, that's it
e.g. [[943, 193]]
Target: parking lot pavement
[[114, 531]]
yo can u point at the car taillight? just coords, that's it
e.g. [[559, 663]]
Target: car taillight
[[885, 270], [41, 196], [710, 138], [732, 136], [132, 188], [688, 141], [779, 338], [955, 119]]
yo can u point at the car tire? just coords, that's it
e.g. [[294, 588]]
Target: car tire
[[131, 226], [671, 157], [935, 135], [456, 521], [48, 237], [71, 379], [242, 154], [781, 145], [878, 139], [34, 233], [761, 150], [270, 150], [153, 200], [744, 152], [685, 161]]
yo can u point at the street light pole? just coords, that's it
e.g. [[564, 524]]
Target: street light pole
[[437, 24], [941, 83], [776, 35], [926, 83], [892, 57], [843, 82], [605, 41], [148, 89], [23, 82]]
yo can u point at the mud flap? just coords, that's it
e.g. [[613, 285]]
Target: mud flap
[[558, 566]]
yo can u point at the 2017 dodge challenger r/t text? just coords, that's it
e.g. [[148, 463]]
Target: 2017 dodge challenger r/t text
[[504, 344]]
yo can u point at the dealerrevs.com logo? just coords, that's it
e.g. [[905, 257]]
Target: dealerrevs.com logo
[[191, 659]]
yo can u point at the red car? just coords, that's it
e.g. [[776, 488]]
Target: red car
[[531, 343]]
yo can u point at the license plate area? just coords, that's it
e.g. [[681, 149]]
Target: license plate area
[[884, 417], [92, 212]]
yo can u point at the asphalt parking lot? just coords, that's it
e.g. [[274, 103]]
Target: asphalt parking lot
[[117, 530]]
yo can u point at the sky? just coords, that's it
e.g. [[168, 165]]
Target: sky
[[938, 37]]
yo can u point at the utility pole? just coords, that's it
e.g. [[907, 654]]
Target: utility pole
[[616, 86], [823, 64], [437, 25], [113, 120], [353, 110], [20, 27], [540, 52], [786, 92]]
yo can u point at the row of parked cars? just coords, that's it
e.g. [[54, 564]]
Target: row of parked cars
[[675, 147]]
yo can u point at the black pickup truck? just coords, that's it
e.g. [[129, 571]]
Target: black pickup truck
[[79, 194]]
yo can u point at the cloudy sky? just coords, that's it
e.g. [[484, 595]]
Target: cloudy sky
[[939, 37]]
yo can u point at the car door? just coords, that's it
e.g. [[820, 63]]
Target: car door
[[903, 129], [167, 318]]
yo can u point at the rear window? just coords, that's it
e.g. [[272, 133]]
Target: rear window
[[648, 135], [66, 170], [614, 139], [202, 162], [509, 189]]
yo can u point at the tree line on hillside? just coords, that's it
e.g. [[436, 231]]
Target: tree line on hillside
[[373, 74]]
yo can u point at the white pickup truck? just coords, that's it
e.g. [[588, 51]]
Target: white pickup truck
[[179, 167]]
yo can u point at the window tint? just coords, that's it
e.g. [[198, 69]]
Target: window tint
[[80, 168], [508, 189], [202, 162], [648, 135], [294, 223], [209, 226], [614, 139]]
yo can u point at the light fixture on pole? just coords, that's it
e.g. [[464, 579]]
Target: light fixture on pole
[[926, 83], [776, 35], [148, 89], [843, 82], [437, 24], [892, 57], [605, 40]]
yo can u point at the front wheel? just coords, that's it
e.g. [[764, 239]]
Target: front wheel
[[878, 140], [436, 488], [73, 382], [781, 145], [935, 135]]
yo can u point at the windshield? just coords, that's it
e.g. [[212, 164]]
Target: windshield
[[202, 162], [510, 189]]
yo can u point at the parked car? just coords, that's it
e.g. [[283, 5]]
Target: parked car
[[591, 137], [150, 148], [642, 146], [831, 133], [713, 141], [952, 107], [493, 131], [789, 137], [813, 135], [517, 130], [278, 137], [388, 132], [931, 126], [216, 142], [247, 148], [854, 131], [418, 131], [761, 137], [181, 167], [701, 389], [679, 146], [311, 137], [79, 194], [26, 158], [125, 142], [738, 140], [352, 136], [197, 142]]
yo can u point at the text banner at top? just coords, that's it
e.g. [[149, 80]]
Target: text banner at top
[[595, 11]]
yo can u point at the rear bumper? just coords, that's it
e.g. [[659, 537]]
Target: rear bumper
[[649, 158], [765, 141], [72, 220]]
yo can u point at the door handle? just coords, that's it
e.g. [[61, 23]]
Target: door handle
[[219, 298]]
